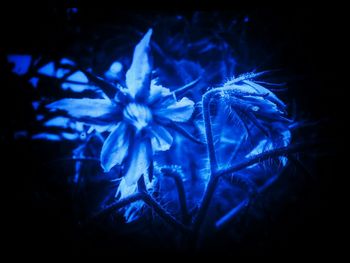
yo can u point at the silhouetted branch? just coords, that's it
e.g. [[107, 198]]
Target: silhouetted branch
[[167, 217], [181, 192], [267, 155]]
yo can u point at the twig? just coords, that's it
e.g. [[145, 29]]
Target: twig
[[145, 197], [118, 204], [185, 133], [235, 168], [181, 192], [243, 182], [108, 88], [266, 155], [166, 216], [204, 205], [223, 221], [208, 128], [183, 89], [287, 151]]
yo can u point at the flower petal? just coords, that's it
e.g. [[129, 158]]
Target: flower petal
[[125, 190], [157, 92], [138, 77], [179, 111], [161, 139], [82, 82], [116, 147], [261, 90], [87, 110], [140, 161]]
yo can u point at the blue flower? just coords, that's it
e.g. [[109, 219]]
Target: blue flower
[[136, 117]]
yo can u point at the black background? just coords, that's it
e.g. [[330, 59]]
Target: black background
[[306, 43]]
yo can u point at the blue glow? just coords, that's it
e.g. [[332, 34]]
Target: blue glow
[[180, 116], [46, 136], [67, 61], [113, 73], [21, 63], [58, 122], [48, 70], [77, 77], [36, 104], [34, 81], [145, 108]]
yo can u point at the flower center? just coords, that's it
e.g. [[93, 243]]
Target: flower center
[[138, 115]]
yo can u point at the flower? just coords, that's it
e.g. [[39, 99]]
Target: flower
[[137, 118]]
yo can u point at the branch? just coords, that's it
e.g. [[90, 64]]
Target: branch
[[181, 192], [224, 172], [184, 133], [167, 217], [118, 204], [108, 88], [223, 221], [208, 128], [204, 205], [183, 89], [145, 197], [266, 155], [242, 182]]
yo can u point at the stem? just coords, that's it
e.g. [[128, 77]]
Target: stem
[[213, 180], [144, 196], [255, 159], [167, 217], [204, 205], [108, 88], [184, 133], [258, 158], [223, 221], [207, 97], [118, 204], [181, 192], [183, 89], [247, 76], [242, 182], [208, 129], [264, 156]]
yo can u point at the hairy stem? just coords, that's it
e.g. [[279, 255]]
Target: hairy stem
[[184, 133], [185, 88], [118, 204], [181, 192], [264, 156], [235, 168], [223, 221], [108, 88], [204, 205], [150, 201], [166, 216], [208, 129]]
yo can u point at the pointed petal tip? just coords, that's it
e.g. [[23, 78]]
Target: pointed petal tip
[[105, 169], [148, 34], [146, 38]]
